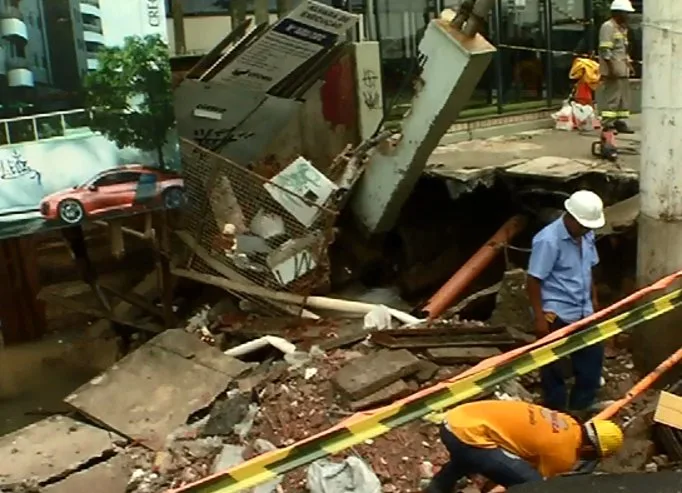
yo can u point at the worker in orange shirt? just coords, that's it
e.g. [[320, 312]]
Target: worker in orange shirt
[[513, 442]]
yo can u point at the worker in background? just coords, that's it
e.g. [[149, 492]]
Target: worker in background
[[561, 291], [513, 442], [616, 67]]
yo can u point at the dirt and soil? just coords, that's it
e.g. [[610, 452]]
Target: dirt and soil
[[297, 403]]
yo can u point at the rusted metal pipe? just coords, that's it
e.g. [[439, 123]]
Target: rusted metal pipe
[[478, 17], [456, 285]]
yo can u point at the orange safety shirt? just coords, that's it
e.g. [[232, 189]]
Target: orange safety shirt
[[547, 439]]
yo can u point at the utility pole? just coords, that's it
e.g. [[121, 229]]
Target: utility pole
[[261, 11], [179, 27], [237, 12], [283, 7], [660, 220]]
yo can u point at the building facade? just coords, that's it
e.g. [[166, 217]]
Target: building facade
[[537, 41], [46, 47]]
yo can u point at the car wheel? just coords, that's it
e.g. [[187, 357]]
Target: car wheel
[[174, 198], [71, 211]]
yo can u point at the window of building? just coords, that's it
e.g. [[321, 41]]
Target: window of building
[[92, 47], [18, 49]]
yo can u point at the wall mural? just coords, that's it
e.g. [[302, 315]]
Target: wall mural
[[87, 128]]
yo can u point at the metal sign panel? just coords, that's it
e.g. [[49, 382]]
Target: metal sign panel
[[236, 122], [292, 41], [87, 129]]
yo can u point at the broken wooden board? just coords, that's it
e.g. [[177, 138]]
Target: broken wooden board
[[669, 410], [443, 337], [111, 476], [368, 374], [51, 449], [156, 388], [461, 355]]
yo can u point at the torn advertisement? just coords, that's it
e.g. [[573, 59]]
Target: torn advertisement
[[291, 42], [301, 179]]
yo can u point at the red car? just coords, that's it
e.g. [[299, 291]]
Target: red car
[[126, 188]]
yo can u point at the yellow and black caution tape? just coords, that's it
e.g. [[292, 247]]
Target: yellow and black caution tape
[[363, 427]]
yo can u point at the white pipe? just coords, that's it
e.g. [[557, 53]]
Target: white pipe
[[324, 303], [249, 347]]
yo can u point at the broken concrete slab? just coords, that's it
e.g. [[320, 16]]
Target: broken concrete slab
[[368, 374], [226, 414], [461, 355], [620, 216], [110, 477], [51, 449], [388, 394], [427, 370], [512, 306], [157, 387]]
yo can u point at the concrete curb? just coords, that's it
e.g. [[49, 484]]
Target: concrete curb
[[496, 130]]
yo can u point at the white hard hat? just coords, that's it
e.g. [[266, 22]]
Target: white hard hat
[[622, 6], [587, 208]]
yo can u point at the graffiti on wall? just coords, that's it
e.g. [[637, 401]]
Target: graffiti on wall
[[370, 89]]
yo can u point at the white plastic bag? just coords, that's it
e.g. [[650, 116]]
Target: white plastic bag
[[563, 119], [583, 116], [379, 318], [352, 475]]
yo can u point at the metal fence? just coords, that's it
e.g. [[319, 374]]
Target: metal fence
[[44, 126], [237, 217]]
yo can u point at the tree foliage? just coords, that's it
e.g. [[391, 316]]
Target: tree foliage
[[130, 94]]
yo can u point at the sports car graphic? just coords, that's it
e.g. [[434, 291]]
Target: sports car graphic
[[130, 188]]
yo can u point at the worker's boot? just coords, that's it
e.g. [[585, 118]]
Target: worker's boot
[[622, 127]]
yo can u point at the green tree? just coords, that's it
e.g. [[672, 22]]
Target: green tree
[[130, 94]]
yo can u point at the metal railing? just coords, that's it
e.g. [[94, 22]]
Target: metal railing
[[42, 126]]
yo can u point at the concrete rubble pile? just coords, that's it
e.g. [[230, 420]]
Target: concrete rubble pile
[[231, 385]]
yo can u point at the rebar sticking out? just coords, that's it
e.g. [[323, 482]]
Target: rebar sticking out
[[463, 14], [478, 17]]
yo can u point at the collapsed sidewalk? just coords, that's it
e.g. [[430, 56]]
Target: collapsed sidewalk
[[268, 369], [179, 409]]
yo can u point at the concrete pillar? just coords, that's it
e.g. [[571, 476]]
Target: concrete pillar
[[179, 28], [261, 10], [237, 12], [370, 98], [660, 223], [283, 7], [452, 66]]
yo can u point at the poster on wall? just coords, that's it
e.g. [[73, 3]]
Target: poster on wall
[[87, 129]]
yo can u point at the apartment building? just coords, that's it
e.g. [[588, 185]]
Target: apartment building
[[46, 47], [24, 62], [74, 28]]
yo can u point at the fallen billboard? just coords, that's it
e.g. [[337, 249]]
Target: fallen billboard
[[87, 128]]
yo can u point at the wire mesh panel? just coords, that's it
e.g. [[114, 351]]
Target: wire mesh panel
[[259, 229]]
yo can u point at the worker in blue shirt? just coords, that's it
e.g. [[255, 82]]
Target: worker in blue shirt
[[562, 291]]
